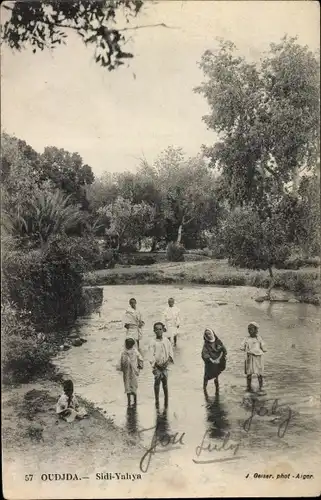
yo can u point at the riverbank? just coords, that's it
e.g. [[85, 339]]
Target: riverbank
[[303, 283], [32, 434]]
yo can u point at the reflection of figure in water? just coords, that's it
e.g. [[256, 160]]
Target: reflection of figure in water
[[254, 348], [162, 425], [130, 363], [214, 357], [216, 417], [131, 420], [161, 354]]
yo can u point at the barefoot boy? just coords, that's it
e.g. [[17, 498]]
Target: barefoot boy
[[161, 356]]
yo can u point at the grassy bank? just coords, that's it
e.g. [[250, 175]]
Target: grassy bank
[[32, 431], [303, 283]]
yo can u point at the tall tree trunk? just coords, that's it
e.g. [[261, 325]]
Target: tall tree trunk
[[180, 230], [271, 285], [179, 234]]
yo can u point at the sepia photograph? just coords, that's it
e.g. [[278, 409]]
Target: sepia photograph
[[160, 249]]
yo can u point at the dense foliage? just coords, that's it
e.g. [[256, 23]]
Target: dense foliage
[[266, 115], [25, 352], [46, 24], [175, 252], [48, 284]]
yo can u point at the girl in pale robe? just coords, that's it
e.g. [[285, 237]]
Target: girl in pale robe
[[254, 348], [133, 322], [130, 363], [171, 320]]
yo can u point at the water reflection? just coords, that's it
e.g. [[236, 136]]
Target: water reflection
[[162, 425], [217, 421], [132, 420]]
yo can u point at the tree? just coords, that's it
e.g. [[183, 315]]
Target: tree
[[67, 172], [103, 191], [309, 222], [144, 187], [129, 221], [46, 215], [45, 24], [188, 191], [266, 115], [20, 172], [253, 243]]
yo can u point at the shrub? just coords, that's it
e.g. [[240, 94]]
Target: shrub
[[24, 353], [137, 259], [175, 252], [46, 283]]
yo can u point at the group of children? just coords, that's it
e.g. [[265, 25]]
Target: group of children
[[214, 355]]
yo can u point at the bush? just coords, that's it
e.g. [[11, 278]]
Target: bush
[[298, 262], [46, 283], [175, 252], [24, 352], [137, 259]]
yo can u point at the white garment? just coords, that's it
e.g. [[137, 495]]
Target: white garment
[[171, 320], [133, 318], [253, 345], [62, 403], [160, 351]]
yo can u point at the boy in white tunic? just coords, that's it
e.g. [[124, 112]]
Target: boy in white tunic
[[161, 354], [171, 318], [133, 322]]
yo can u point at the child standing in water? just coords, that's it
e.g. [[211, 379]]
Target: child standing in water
[[171, 317], [254, 348], [133, 322], [130, 363], [67, 406], [214, 356], [161, 356]]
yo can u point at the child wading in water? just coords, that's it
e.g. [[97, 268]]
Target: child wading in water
[[254, 349], [214, 357], [130, 363], [161, 356], [67, 406]]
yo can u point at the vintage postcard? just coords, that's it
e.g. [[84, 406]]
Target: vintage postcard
[[160, 241]]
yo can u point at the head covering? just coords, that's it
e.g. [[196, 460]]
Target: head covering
[[209, 335], [253, 324]]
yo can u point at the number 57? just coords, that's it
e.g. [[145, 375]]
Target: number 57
[[28, 477]]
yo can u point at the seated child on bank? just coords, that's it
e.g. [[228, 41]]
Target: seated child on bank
[[67, 406]]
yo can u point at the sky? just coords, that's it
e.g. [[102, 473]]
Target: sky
[[64, 99]]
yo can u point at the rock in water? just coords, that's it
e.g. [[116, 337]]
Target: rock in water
[[77, 342], [261, 299], [293, 301]]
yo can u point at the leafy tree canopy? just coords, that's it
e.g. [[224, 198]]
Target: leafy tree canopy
[[266, 115], [45, 24]]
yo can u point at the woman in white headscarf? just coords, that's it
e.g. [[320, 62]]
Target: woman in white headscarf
[[214, 357]]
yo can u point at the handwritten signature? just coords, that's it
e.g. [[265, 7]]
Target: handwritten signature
[[262, 409], [169, 442], [224, 445], [166, 442]]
